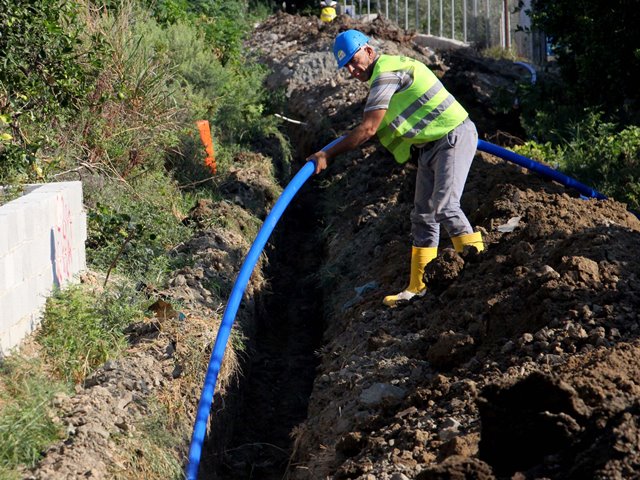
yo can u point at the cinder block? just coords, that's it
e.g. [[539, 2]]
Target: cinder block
[[3, 279], [25, 210], [80, 228], [82, 259], [19, 303], [5, 320], [44, 284], [28, 229], [38, 302], [8, 225], [41, 211], [6, 344], [41, 251], [8, 271], [9, 316], [17, 231], [26, 267], [73, 197], [19, 330]]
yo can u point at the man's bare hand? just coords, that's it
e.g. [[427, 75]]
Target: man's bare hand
[[320, 159]]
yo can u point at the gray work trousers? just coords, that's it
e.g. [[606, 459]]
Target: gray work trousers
[[443, 167]]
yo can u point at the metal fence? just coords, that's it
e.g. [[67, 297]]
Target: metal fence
[[482, 23]]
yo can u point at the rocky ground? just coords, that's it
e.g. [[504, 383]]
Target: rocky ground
[[521, 362]]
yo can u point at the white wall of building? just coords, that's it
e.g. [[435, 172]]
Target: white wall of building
[[42, 247]]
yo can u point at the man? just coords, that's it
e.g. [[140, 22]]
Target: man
[[409, 108]]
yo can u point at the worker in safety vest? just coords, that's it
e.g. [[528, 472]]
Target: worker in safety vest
[[412, 114], [328, 12]]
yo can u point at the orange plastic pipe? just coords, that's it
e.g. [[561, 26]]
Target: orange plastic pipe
[[205, 136]]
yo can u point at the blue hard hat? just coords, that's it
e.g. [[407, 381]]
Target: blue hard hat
[[347, 44]]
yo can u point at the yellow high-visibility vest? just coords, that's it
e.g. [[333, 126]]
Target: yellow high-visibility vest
[[422, 113]]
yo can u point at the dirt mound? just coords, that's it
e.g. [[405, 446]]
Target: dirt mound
[[520, 361]]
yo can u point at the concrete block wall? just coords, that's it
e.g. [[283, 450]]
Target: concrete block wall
[[42, 247]]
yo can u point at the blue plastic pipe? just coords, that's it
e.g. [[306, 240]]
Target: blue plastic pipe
[[539, 168], [228, 318], [532, 71], [206, 398]]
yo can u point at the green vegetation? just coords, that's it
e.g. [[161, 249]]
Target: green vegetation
[[109, 92], [132, 225], [82, 330], [44, 71], [609, 159], [27, 423], [585, 121]]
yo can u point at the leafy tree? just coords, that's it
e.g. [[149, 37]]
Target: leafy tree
[[597, 43], [42, 72], [41, 66]]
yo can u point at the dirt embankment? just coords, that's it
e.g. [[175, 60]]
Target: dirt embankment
[[134, 416], [521, 362]]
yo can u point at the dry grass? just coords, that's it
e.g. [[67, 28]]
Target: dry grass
[[158, 448]]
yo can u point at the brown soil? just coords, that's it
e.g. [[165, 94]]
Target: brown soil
[[520, 362]]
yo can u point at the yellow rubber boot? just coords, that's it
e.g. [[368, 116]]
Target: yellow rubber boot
[[472, 239], [420, 256]]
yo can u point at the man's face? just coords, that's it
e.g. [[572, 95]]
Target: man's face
[[361, 64]]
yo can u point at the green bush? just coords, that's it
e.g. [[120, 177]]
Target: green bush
[[82, 330], [42, 69], [132, 226], [44, 75], [231, 97]]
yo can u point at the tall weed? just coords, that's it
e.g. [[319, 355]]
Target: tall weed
[[132, 225], [26, 423], [230, 96], [131, 116]]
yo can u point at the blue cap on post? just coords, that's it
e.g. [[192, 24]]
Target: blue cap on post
[[347, 44]]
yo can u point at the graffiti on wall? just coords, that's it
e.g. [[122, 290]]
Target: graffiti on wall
[[62, 242]]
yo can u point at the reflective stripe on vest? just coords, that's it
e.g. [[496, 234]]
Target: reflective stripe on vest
[[422, 113]]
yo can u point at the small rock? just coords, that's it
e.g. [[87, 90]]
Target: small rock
[[381, 393]]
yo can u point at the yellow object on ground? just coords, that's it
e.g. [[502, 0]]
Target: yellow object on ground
[[420, 257], [472, 239], [328, 14]]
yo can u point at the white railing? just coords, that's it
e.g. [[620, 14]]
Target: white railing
[[483, 23]]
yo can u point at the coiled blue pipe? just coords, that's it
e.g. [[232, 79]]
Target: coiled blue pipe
[[539, 168], [206, 398]]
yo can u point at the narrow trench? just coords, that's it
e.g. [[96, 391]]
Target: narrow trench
[[277, 382]]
